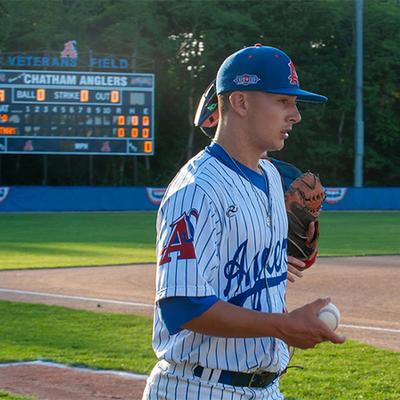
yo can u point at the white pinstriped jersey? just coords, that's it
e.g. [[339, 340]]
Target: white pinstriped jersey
[[213, 239]]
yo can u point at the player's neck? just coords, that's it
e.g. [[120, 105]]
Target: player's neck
[[239, 149]]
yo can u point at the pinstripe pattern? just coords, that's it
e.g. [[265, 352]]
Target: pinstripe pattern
[[178, 383], [237, 257]]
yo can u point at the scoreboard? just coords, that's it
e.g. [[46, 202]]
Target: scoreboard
[[63, 112]]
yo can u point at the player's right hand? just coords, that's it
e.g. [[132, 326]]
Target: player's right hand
[[303, 329]]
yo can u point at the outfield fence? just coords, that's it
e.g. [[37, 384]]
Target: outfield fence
[[89, 198]]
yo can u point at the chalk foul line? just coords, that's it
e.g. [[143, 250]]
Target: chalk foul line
[[370, 328], [79, 369], [63, 296]]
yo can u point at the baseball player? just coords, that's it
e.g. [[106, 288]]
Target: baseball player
[[220, 326], [206, 118]]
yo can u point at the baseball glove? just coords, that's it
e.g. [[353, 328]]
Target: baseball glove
[[303, 201]]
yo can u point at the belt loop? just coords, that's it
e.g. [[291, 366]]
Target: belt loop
[[164, 365], [216, 373], [206, 374]]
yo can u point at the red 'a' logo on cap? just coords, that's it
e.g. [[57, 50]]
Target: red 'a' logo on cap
[[293, 78]]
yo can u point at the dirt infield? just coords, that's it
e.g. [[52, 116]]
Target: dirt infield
[[364, 288], [53, 383]]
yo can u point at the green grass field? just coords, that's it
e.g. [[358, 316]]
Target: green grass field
[[77, 239], [123, 342], [359, 233], [73, 239], [100, 340], [9, 396]]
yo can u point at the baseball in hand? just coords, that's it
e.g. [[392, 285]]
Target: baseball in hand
[[330, 315]]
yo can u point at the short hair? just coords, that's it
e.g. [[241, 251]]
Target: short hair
[[224, 103]]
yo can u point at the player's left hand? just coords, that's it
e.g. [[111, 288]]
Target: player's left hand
[[295, 266], [303, 201], [312, 232]]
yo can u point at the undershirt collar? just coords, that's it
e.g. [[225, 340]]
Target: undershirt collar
[[255, 178]]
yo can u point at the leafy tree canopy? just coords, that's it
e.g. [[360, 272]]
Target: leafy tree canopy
[[187, 40]]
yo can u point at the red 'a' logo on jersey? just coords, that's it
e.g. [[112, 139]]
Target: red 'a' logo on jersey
[[181, 238], [293, 77]]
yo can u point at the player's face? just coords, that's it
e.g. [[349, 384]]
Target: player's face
[[270, 119]]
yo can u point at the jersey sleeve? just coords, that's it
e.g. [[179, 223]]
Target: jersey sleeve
[[189, 308], [188, 235]]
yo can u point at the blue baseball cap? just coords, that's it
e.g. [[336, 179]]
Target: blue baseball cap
[[265, 69]]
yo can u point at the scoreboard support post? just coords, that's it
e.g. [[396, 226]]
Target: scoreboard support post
[[90, 170], [135, 170], [45, 170]]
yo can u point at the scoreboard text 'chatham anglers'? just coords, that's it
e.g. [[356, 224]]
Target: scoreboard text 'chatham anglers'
[[62, 112]]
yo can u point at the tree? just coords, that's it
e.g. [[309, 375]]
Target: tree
[[185, 41]]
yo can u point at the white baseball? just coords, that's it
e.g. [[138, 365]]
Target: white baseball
[[330, 315]]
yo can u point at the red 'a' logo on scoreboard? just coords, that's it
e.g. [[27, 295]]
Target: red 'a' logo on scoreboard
[[181, 238], [70, 50]]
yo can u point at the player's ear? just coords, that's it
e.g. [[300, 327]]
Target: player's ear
[[239, 103]]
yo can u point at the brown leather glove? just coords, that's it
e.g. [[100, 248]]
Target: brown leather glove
[[303, 202]]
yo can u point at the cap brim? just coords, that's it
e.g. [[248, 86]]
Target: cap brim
[[302, 95]]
